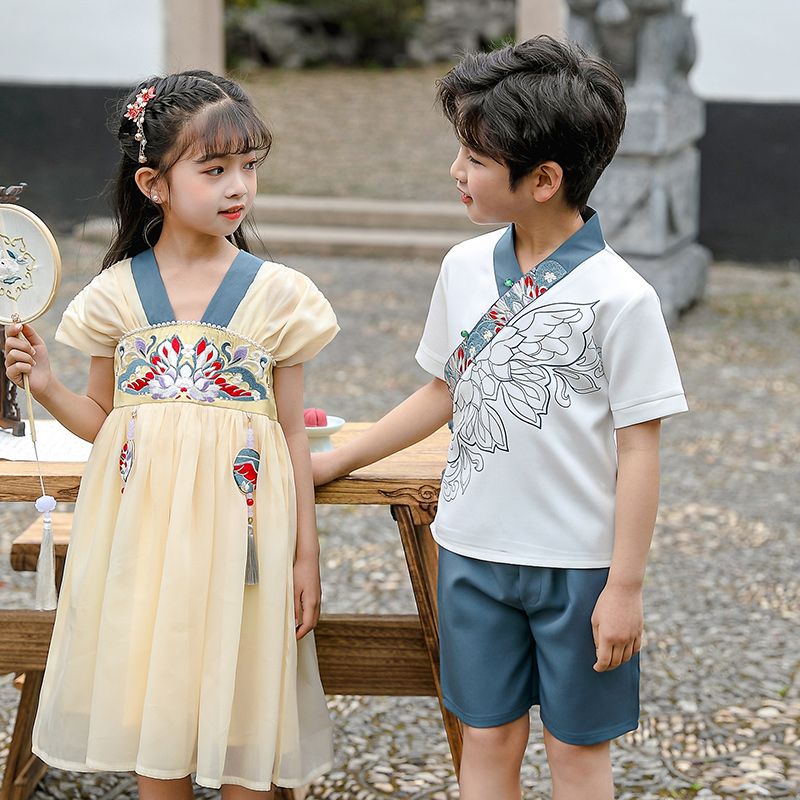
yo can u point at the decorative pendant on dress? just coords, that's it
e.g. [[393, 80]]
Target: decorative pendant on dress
[[126, 454], [245, 473]]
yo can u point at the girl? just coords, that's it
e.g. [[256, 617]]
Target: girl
[[181, 641]]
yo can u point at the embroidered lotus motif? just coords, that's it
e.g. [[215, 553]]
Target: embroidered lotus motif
[[169, 369]]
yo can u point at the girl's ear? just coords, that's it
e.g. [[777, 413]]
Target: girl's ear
[[546, 180], [147, 179]]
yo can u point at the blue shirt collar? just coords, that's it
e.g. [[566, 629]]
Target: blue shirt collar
[[583, 244]]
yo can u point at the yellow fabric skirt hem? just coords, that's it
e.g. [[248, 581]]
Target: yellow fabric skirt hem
[[208, 783]]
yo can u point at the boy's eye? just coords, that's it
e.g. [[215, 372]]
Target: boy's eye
[[251, 164], [474, 160], [215, 171]]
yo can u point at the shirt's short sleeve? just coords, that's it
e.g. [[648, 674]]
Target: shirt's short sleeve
[[92, 322], [304, 321], [433, 351], [643, 379]]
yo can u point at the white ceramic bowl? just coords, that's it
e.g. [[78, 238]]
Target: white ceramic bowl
[[319, 437]]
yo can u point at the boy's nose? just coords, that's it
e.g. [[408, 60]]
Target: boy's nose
[[457, 172]]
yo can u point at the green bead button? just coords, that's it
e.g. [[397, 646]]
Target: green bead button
[[465, 334], [508, 282]]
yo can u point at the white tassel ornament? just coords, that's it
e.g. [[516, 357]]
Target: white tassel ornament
[[46, 598]]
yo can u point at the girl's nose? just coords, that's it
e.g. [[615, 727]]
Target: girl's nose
[[236, 188]]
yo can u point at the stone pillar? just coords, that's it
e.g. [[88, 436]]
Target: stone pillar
[[195, 35], [541, 16], [648, 198]]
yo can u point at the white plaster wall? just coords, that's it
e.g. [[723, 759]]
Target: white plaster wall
[[747, 49], [81, 42]]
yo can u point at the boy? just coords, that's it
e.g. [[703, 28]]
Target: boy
[[551, 355]]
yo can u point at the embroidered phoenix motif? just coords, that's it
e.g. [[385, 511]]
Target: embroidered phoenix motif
[[544, 353]]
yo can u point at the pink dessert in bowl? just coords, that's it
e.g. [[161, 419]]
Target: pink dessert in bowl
[[319, 427]]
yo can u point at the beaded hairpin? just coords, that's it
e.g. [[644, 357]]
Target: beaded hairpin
[[135, 112]]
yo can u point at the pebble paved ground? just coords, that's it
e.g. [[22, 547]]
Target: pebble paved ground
[[721, 684], [721, 696]]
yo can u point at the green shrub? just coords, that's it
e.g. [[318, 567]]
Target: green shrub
[[381, 28]]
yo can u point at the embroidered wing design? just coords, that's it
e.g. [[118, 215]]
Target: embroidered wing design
[[544, 353]]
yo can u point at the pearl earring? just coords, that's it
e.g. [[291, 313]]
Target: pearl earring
[[154, 197]]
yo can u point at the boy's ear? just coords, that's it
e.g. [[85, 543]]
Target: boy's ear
[[545, 181], [147, 179]]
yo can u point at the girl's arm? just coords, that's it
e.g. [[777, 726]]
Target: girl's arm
[[416, 418], [618, 618], [84, 415], [288, 387]]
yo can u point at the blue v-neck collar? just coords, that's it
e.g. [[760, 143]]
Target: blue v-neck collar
[[221, 308]]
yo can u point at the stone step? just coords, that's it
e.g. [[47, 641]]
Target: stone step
[[353, 212], [281, 240]]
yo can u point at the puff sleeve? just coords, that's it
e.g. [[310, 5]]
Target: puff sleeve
[[92, 322], [303, 321]]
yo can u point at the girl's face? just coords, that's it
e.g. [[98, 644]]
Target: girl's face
[[210, 195], [483, 184]]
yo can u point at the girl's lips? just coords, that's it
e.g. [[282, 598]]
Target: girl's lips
[[465, 199], [232, 214]]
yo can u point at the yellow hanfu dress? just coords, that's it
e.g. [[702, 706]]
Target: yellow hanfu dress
[[163, 661]]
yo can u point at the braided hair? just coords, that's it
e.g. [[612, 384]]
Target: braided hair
[[194, 109]]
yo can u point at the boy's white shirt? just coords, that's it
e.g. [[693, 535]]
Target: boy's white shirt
[[531, 475]]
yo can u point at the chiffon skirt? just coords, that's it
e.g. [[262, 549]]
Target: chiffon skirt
[[162, 661]]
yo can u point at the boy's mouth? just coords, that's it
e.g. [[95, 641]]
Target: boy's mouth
[[465, 198]]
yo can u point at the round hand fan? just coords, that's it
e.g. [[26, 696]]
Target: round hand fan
[[30, 271]]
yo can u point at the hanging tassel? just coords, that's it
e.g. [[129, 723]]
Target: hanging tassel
[[46, 598], [245, 473], [251, 570]]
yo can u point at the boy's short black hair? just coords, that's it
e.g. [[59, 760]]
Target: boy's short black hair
[[540, 100]]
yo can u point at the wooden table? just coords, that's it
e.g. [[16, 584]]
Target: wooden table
[[358, 654]]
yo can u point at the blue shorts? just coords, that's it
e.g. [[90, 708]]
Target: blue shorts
[[512, 637]]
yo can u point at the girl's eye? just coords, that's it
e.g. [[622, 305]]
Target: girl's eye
[[215, 171]]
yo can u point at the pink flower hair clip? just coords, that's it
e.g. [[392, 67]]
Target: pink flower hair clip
[[135, 112]]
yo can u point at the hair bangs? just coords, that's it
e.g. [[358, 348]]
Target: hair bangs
[[472, 125], [223, 129]]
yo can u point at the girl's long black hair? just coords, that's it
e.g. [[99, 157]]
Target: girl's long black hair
[[194, 109]]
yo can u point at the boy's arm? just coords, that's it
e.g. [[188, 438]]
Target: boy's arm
[[618, 617], [415, 418]]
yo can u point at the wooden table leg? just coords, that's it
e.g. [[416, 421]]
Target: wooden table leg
[[23, 769], [422, 557]]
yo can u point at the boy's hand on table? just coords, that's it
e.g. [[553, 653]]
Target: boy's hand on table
[[617, 624], [325, 467]]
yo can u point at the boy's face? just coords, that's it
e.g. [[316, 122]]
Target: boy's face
[[483, 183]]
